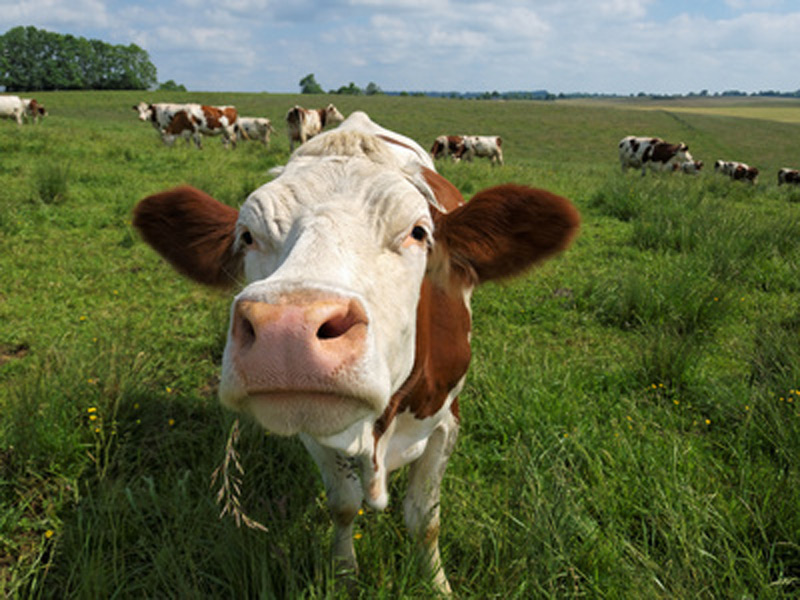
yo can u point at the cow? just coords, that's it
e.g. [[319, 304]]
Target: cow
[[788, 176], [189, 120], [197, 121], [485, 146], [304, 123], [352, 330], [738, 171], [653, 152], [12, 107], [33, 110], [447, 145], [254, 128]]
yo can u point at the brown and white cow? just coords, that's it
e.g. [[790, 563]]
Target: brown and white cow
[[197, 121], [447, 145], [353, 330], [304, 123], [643, 152], [254, 128], [482, 146], [190, 120], [791, 176], [738, 171], [690, 167]]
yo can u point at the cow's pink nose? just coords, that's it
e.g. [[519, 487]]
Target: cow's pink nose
[[297, 343]]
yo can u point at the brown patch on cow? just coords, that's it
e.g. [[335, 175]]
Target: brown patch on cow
[[181, 122], [13, 352], [193, 232], [664, 152], [441, 357]]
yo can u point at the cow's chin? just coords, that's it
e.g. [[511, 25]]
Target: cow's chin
[[319, 414]]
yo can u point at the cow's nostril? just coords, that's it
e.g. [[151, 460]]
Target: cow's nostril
[[338, 325], [245, 333]]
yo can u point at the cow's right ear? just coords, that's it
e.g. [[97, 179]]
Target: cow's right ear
[[194, 232]]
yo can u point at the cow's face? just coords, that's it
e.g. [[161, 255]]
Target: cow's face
[[145, 111], [333, 115], [334, 252]]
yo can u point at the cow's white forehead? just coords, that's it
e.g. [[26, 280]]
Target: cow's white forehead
[[343, 171]]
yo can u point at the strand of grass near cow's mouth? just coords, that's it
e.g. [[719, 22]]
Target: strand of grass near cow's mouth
[[230, 483]]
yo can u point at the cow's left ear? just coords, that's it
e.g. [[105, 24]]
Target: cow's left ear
[[504, 230], [194, 232]]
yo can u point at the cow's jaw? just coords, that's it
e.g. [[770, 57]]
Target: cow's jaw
[[324, 334]]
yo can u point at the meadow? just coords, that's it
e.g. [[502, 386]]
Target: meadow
[[631, 420]]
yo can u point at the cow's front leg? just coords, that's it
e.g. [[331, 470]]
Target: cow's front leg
[[345, 495], [421, 504]]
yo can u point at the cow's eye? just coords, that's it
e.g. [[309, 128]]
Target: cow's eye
[[419, 233], [247, 238]]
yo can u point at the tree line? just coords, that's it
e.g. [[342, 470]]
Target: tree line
[[34, 59]]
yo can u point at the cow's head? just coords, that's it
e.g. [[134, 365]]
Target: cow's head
[[333, 253], [145, 111], [332, 114]]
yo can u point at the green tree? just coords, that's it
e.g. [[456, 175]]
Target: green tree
[[309, 85], [34, 59], [350, 90], [171, 86], [372, 89]]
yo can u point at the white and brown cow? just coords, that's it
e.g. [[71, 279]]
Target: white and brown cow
[[200, 120], [482, 146], [790, 176], [738, 171], [643, 152], [447, 145], [190, 120], [304, 123], [353, 330], [255, 128]]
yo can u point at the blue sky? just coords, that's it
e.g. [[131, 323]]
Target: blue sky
[[599, 46]]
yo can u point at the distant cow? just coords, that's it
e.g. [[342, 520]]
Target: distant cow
[[197, 121], [255, 128], [483, 146], [353, 327], [788, 176], [305, 123], [190, 121], [12, 107], [738, 171], [643, 152], [447, 145]]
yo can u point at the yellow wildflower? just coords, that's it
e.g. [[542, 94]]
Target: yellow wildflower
[[91, 409], [358, 536], [49, 533], [171, 422]]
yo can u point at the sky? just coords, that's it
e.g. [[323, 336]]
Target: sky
[[563, 46]]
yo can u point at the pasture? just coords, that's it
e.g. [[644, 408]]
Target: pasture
[[631, 420]]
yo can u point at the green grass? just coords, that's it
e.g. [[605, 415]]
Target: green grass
[[631, 422]]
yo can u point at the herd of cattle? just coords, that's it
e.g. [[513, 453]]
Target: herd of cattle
[[658, 155], [192, 121]]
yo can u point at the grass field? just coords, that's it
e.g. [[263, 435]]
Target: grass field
[[631, 422]]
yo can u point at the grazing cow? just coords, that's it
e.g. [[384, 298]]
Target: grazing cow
[[485, 146], [653, 152], [197, 121], [738, 171], [788, 176], [190, 121], [255, 128], [304, 123], [447, 145], [33, 110], [12, 107], [353, 330]]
